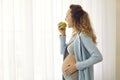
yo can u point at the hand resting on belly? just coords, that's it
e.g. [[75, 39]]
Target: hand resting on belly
[[69, 61]]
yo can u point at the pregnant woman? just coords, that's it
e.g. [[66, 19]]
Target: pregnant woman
[[81, 53]]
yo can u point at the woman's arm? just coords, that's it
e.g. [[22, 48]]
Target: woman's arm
[[62, 43], [93, 50]]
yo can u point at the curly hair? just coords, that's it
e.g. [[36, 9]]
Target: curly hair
[[81, 22]]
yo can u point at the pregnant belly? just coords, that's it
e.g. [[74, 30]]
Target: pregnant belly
[[69, 60]]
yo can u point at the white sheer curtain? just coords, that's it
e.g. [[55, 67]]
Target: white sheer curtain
[[26, 40], [29, 39]]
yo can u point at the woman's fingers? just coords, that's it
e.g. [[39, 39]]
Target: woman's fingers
[[70, 69], [62, 31]]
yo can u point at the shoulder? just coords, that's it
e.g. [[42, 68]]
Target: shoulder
[[84, 36]]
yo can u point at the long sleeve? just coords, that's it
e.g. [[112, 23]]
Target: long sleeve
[[62, 44], [95, 55]]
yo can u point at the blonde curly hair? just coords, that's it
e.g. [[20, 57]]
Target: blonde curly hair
[[81, 22]]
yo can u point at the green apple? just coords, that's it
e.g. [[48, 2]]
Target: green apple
[[63, 25]]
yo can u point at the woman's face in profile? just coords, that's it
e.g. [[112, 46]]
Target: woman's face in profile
[[69, 18]]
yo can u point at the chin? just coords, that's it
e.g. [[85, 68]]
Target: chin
[[69, 26]]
